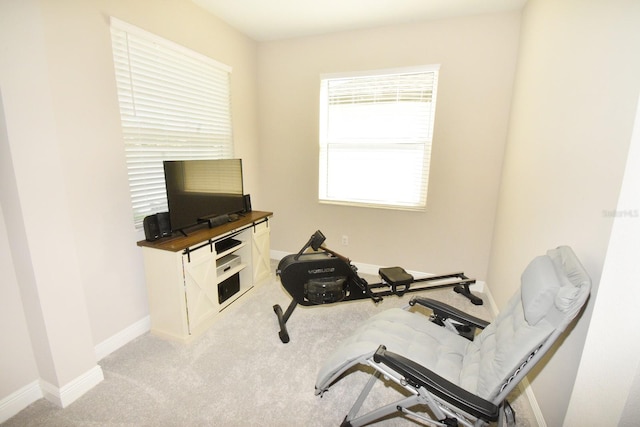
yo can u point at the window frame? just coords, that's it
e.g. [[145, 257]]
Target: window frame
[[418, 200]]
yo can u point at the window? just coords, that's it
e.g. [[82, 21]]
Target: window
[[174, 105], [375, 137]]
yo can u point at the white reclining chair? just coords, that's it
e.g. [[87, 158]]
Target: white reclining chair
[[453, 376]]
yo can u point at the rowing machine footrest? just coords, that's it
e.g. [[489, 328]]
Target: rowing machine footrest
[[396, 276]]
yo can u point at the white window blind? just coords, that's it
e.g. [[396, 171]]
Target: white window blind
[[375, 137], [174, 105]]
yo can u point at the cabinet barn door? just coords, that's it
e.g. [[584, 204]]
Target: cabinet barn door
[[260, 252], [201, 289]]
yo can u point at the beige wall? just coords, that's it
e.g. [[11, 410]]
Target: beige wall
[[88, 122], [609, 371], [477, 57], [570, 126], [17, 366], [67, 211], [571, 121], [35, 206]]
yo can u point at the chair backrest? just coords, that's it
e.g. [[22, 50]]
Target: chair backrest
[[553, 289]]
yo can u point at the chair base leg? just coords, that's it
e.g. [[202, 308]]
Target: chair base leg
[[360, 400], [507, 416], [400, 406]]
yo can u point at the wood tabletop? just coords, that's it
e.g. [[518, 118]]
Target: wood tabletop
[[178, 241]]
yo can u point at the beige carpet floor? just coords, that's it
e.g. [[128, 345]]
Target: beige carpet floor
[[239, 373]]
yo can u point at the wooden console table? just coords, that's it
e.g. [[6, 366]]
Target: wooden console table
[[191, 278]]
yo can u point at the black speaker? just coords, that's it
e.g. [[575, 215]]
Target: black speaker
[[247, 203], [218, 220], [164, 224], [151, 228]]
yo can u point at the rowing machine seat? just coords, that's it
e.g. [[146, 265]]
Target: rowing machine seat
[[396, 276]]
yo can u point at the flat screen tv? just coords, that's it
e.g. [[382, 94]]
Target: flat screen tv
[[198, 190]]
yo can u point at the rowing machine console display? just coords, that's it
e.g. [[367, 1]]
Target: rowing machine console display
[[322, 276]]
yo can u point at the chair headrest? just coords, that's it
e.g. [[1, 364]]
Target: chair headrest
[[553, 282]]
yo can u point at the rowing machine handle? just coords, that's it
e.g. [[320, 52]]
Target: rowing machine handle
[[315, 242]]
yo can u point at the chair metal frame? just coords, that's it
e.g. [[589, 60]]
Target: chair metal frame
[[441, 402]]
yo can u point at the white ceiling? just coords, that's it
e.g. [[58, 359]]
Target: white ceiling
[[267, 20]]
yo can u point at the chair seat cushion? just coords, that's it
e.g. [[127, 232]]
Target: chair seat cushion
[[406, 333]]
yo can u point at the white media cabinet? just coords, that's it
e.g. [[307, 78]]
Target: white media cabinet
[[190, 279]]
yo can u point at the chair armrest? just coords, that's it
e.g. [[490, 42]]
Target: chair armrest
[[445, 311], [419, 376]]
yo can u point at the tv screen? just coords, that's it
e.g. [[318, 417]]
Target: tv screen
[[201, 189]]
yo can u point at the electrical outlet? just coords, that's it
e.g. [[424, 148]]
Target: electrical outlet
[[345, 240]]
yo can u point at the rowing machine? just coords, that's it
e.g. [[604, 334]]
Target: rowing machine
[[324, 277]]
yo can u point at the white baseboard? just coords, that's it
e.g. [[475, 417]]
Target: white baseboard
[[492, 303], [278, 255], [535, 408], [18, 400], [68, 393], [123, 337], [65, 395]]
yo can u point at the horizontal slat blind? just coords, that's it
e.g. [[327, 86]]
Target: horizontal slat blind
[[375, 138], [174, 105]]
